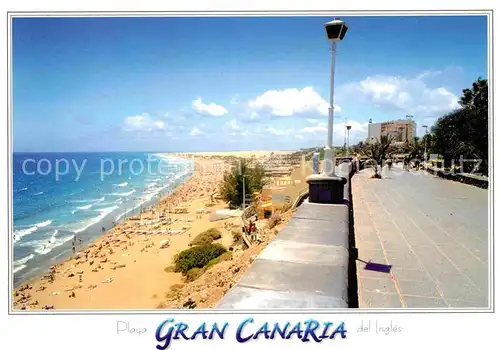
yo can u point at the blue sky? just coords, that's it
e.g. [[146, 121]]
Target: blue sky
[[206, 84]]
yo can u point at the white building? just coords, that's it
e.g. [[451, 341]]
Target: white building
[[402, 130]]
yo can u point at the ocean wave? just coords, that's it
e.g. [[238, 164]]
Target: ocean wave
[[87, 200], [21, 263], [130, 209], [44, 223], [83, 207], [18, 268], [24, 260], [21, 233], [45, 248], [38, 193], [103, 213], [153, 184], [125, 213], [21, 189], [123, 194], [123, 184]]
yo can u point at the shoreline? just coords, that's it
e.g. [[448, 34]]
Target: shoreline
[[90, 268], [88, 236], [243, 154]]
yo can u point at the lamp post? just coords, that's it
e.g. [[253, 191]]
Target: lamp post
[[327, 187], [335, 31], [425, 142], [348, 127]]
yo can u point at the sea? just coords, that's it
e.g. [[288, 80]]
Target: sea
[[59, 195]]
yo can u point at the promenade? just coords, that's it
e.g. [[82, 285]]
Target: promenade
[[433, 232]]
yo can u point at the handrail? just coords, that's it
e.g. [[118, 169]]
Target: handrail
[[300, 197], [244, 234]]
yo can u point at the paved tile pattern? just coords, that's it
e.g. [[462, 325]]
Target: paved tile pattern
[[433, 232]]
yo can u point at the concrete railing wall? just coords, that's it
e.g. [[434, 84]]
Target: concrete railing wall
[[471, 179], [307, 265]]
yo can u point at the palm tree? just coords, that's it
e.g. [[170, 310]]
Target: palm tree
[[378, 151], [231, 188], [415, 152]]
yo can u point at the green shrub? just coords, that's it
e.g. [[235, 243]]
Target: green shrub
[[224, 257], [193, 274], [215, 233], [197, 256], [236, 236], [170, 268], [207, 237], [202, 239]]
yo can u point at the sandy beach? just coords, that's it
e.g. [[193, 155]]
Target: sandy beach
[[242, 154], [125, 267]]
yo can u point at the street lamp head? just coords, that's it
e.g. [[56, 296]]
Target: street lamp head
[[336, 29]]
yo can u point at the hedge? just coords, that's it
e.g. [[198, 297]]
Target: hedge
[[197, 256], [207, 237]]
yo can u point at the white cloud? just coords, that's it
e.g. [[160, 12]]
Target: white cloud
[[160, 124], [357, 128], [411, 95], [210, 109], [288, 102], [142, 123], [245, 133], [320, 127], [279, 132], [358, 131], [233, 125], [196, 132], [451, 71]]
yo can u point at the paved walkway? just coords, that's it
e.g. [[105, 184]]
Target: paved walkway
[[434, 233]]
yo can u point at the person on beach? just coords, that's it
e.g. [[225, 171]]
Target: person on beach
[[253, 231]]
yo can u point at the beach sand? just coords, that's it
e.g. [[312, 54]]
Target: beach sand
[[123, 270], [207, 291], [242, 154]]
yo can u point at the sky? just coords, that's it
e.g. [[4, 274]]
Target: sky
[[221, 83]]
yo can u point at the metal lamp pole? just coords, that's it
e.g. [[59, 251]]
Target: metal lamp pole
[[425, 142], [329, 154], [327, 187], [348, 127]]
